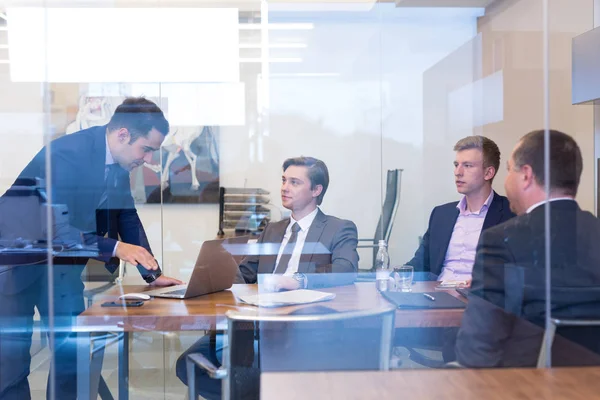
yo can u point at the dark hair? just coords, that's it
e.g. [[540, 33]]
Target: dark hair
[[139, 115], [566, 162], [489, 149], [317, 172]]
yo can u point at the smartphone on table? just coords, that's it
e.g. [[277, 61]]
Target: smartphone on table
[[123, 303]]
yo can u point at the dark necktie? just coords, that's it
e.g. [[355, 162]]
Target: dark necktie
[[288, 250], [112, 171]]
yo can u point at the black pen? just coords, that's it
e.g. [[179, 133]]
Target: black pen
[[430, 297]]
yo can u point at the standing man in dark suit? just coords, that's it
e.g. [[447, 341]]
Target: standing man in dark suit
[[448, 247], [503, 323], [308, 250], [90, 175]]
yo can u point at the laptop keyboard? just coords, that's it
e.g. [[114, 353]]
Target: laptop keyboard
[[177, 292]]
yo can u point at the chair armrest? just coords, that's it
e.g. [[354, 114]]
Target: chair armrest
[[365, 240], [202, 362], [419, 358], [454, 365], [366, 246], [97, 290]]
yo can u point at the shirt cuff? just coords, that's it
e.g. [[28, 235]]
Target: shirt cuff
[[115, 249]]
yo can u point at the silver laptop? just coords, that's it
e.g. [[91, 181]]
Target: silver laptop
[[215, 270]]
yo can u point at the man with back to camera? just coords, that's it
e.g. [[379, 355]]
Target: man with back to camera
[[448, 247], [314, 250], [90, 175], [503, 323]]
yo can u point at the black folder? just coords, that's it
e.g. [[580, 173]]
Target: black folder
[[419, 301]]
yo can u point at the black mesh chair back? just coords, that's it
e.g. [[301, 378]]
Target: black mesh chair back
[[388, 212]]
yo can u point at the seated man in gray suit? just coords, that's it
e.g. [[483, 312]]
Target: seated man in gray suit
[[315, 250], [308, 250]]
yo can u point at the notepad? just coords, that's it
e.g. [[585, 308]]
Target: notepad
[[282, 299]]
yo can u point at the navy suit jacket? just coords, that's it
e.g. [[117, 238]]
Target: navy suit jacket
[[431, 254], [78, 181], [329, 256]]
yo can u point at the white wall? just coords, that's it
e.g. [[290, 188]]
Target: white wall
[[512, 43], [502, 72], [21, 125], [369, 118]]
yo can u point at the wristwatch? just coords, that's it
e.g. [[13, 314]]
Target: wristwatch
[[152, 276], [302, 279]]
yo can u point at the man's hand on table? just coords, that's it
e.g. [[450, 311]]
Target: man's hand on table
[[276, 283]]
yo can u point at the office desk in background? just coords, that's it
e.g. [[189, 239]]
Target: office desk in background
[[39, 256], [208, 312], [463, 384]]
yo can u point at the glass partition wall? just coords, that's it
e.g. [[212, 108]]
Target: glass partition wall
[[418, 112]]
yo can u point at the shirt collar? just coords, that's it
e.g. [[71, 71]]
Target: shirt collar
[[536, 205], [305, 222], [109, 158], [462, 205]]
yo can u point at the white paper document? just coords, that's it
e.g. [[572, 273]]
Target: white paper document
[[283, 299]]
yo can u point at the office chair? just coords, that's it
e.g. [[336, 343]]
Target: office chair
[[314, 338], [574, 318], [581, 353], [585, 352], [388, 213]]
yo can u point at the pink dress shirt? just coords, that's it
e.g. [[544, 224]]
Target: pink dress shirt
[[460, 255]]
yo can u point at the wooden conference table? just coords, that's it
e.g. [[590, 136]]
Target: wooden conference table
[[490, 384], [208, 312]]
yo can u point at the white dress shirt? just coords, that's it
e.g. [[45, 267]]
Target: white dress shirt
[[305, 224], [536, 205]]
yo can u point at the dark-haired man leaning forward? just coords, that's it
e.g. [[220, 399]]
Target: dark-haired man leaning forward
[[90, 175], [315, 250]]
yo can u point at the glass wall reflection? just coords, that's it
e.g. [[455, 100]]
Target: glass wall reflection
[[377, 155]]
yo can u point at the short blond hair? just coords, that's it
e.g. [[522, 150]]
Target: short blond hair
[[489, 149]]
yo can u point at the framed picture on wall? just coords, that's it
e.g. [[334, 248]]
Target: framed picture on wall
[[189, 161]]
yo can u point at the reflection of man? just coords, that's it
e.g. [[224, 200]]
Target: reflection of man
[[308, 250], [448, 247], [90, 175], [508, 290]]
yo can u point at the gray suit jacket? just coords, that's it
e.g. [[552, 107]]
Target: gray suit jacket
[[329, 256]]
